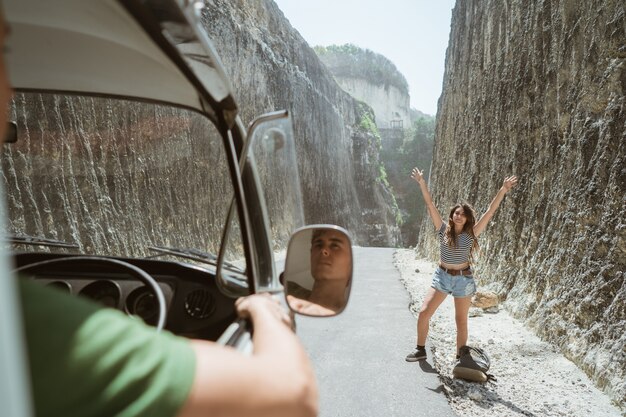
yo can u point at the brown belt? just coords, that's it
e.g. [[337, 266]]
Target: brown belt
[[466, 271]]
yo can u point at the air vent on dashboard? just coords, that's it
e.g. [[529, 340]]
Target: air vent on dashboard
[[199, 303]]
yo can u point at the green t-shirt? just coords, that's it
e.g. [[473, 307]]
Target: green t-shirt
[[86, 360]]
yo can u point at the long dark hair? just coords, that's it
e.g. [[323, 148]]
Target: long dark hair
[[468, 227]]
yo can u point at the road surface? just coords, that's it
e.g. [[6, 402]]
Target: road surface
[[359, 355]]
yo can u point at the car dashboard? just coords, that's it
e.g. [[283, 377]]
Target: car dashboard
[[195, 307]]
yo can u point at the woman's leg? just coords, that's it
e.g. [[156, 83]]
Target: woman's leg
[[432, 301], [461, 312]]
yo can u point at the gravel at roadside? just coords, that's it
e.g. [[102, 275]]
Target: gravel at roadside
[[533, 378]]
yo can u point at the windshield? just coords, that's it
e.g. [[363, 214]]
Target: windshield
[[114, 177]]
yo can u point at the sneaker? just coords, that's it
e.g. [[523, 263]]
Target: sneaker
[[418, 354]]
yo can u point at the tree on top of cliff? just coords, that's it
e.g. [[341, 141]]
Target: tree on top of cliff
[[354, 62]]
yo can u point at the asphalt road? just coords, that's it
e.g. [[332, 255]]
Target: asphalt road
[[359, 355]]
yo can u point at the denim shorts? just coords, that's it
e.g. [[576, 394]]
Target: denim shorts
[[456, 285]]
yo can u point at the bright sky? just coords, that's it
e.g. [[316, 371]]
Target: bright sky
[[413, 34]]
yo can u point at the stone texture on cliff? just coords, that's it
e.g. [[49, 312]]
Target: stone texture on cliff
[[390, 104], [537, 89], [272, 67], [373, 79]]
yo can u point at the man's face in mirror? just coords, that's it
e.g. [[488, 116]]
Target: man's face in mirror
[[331, 255]]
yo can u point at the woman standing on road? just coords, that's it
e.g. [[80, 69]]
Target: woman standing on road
[[454, 275]]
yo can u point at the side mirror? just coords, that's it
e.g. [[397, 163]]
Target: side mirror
[[318, 270]]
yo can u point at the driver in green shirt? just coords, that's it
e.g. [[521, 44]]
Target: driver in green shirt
[[86, 360]]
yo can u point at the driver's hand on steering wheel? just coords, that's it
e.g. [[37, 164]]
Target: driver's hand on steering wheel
[[262, 305]]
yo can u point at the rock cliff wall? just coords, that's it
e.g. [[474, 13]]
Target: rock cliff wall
[[373, 79], [272, 67], [538, 89], [406, 134], [389, 104]]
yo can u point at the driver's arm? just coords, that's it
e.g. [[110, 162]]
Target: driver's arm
[[276, 380], [89, 360]]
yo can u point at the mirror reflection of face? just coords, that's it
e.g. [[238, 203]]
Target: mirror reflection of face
[[320, 285], [331, 255]]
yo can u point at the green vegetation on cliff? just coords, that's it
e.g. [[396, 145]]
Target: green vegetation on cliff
[[417, 151], [351, 61], [366, 123]]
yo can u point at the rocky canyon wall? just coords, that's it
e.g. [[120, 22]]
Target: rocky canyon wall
[[537, 89], [390, 104], [371, 78], [406, 134], [272, 67]]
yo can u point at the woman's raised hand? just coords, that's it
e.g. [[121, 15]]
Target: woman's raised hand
[[417, 175], [510, 182]]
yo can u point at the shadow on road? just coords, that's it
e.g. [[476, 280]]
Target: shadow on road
[[493, 397], [438, 390], [458, 388], [426, 367]]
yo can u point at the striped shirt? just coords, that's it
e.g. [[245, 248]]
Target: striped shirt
[[454, 255]]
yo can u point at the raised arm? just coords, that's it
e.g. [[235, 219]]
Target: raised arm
[[418, 176], [276, 380], [507, 185]]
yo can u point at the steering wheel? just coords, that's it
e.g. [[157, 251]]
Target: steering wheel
[[129, 268]]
